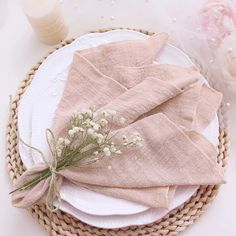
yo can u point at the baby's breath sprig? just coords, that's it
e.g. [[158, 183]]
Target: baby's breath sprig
[[89, 139]]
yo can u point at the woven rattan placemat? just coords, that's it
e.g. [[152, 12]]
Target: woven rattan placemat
[[64, 224]]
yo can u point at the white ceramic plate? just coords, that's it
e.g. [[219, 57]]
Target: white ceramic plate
[[48, 85], [146, 217]]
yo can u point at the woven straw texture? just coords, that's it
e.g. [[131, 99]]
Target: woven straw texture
[[63, 224]]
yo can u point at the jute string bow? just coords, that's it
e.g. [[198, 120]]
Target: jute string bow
[[53, 197]]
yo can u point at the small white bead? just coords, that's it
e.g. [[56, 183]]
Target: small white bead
[[174, 20], [213, 40], [211, 61], [112, 18], [230, 50], [228, 104], [220, 8], [109, 167], [61, 1]]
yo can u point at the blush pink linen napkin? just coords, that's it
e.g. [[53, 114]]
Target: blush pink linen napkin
[[166, 104]]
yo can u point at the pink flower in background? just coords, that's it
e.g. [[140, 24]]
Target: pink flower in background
[[218, 19]]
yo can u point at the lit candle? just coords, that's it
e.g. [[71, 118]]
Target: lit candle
[[46, 19]]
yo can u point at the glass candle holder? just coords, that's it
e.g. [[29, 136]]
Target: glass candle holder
[[46, 18]]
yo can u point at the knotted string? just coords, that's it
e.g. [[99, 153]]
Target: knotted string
[[53, 197]]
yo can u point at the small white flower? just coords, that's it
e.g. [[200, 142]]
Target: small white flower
[[76, 129], [103, 122], [80, 116], [113, 149], [134, 140], [87, 123], [118, 152], [107, 151], [92, 123], [66, 141], [60, 141], [105, 114], [71, 133], [124, 137], [108, 113], [90, 131], [87, 112], [100, 138], [95, 153], [81, 129], [96, 127], [94, 135], [122, 120]]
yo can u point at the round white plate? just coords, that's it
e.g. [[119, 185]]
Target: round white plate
[[146, 217], [48, 85]]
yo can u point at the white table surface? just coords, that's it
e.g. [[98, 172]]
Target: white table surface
[[20, 49]]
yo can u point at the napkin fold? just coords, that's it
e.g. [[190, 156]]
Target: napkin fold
[[108, 57], [168, 105]]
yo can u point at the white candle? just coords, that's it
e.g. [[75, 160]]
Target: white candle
[[46, 19]]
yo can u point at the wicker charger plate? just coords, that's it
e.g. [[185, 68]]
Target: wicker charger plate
[[63, 224]]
